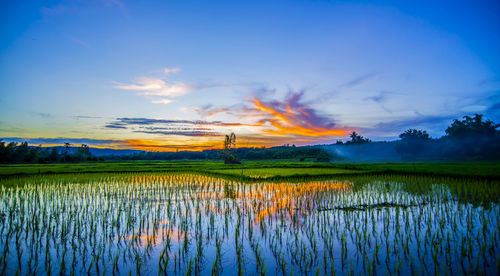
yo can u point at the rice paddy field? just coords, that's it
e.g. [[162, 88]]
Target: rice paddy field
[[150, 223]]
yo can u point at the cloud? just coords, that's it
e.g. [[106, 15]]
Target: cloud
[[115, 126], [196, 133], [79, 6], [209, 110], [358, 80], [434, 124], [41, 114], [117, 3], [79, 42], [197, 128], [149, 121], [380, 97], [78, 117], [156, 87], [162, 101], [283, 118], [493, 111], [489, 81], [293, 117], [161, 90], [171, 70]]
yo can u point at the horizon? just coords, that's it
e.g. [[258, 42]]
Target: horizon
[[170, 76]]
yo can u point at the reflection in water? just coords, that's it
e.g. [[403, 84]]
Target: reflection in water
[[283, 195], [192, 224]]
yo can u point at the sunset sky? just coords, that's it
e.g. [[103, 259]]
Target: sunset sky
[[170, 75]]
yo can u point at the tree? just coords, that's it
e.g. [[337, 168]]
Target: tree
[[65, 153], [54, 155], [84, 152], [472, 138], [414, 134], [412, 143], [357, 139], [227, 153], [470, 126]]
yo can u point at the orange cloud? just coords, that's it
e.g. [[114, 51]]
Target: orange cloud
[[294, 120], [290, 118]]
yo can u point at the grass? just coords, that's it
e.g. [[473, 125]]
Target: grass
[[259, 169], [486, 169], [272, 172]]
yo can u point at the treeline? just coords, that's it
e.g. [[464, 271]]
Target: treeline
[[469, 139], [282, 152], [23, 153]]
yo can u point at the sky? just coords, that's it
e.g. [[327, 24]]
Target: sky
[[177, 75]]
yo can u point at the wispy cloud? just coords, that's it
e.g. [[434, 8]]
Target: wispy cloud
[[358, 80], [78, 117], [114, 125], [76, 6], [150, 121], [194, 132], [41, 114], [171, 70], [209, 110], [160, 89], [79, 42], [156, 87], [162, 101], [118, 4], [172, 127], [431, 123], [381, 98]]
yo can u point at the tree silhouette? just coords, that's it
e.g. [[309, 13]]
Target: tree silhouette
[[66, 149], [357, 139], [412, 143], [414, 134], [469, 126], [227, 153]]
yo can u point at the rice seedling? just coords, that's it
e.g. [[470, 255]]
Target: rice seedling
[[181, 223]]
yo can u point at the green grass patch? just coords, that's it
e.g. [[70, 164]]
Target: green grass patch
[[259, 169], [272, 172]]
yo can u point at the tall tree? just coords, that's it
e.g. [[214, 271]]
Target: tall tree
[[227, 153], [357, 139], [412, 144]]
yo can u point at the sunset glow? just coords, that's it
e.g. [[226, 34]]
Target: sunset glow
[[174, 76]]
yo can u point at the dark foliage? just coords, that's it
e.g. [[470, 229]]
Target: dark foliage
[[228, 152], [472, 126], [412, 144], [276, 153], [23, 153], [357, 139]]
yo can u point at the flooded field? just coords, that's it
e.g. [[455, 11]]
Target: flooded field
[[191, 224]]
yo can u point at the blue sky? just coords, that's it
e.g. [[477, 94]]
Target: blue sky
[[164, 75]]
